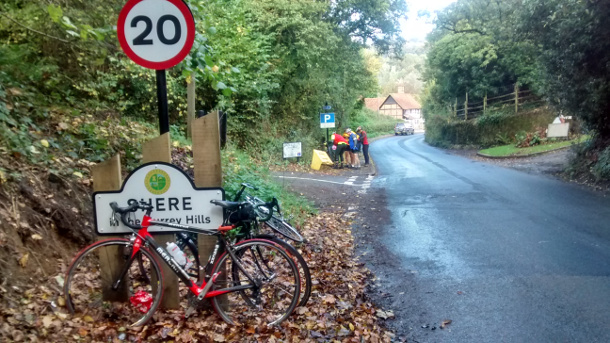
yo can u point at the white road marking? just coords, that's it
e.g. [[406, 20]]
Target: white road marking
[[366, 184], [349, 182], [310, 179]]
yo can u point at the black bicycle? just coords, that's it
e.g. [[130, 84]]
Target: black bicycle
[[120, 278], [188, 245]]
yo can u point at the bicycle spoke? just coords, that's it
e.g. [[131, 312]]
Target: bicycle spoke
[[273, 298], [89, 284]]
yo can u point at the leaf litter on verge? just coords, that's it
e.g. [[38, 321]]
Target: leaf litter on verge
[[336, 311]]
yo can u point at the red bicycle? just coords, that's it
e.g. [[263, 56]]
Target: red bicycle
[[120, 278]]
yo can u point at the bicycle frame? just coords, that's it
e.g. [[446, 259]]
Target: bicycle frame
[[203, 291]]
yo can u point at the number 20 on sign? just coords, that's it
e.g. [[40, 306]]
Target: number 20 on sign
[[156, 34]]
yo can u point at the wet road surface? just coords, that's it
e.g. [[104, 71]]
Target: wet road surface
[[506, 256]]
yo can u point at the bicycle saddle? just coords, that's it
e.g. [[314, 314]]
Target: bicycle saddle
[[228, 205]]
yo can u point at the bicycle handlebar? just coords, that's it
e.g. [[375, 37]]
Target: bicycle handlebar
[[134, 205], [244, 185], [247, 185]]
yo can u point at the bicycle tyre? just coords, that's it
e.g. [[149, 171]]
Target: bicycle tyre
[[283, 228], [304, 273], [245, 307], [136, 301]]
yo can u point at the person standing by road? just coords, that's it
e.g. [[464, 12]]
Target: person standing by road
[[365, 145], [353, 146]]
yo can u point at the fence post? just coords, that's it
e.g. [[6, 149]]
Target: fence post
[[190, 104], [466, 107], [208, 169], [485, 104], [158, 150], [516, 97], [107, 177]]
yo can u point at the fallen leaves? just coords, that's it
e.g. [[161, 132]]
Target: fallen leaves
[[445, 323], [23, 261], [385, 314], [337, 310], [329, 299], [47, 321]]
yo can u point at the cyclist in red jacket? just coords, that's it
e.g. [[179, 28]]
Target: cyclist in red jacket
[[365, 145], [341, 146]]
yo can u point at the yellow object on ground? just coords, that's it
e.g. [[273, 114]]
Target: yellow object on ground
[[319, 158]]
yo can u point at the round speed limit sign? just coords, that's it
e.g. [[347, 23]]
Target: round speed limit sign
[[156, 34]]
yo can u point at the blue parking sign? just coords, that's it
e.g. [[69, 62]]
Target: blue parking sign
[[327, 120]]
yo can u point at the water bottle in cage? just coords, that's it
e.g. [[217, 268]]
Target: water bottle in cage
[[178, 255]]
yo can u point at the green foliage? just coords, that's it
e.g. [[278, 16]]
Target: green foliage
[[292, 59], [520, 138], [269, 65], [574, 60], [405, 71], [362, 20], [528, 139], [373, 123], [512, 150], [238, 167], [491, 129], [551, 47], [503, 138], [601, 168], [474, 49]]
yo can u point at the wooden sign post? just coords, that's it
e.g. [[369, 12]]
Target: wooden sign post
[[158, 150], [208, 171], [107, 177]]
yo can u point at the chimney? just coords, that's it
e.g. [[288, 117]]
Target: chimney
[[401, 89]]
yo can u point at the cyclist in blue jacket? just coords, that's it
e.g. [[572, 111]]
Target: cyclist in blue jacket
[[353, 146]]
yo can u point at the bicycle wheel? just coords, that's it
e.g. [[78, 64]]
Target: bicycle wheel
[[273, 292], [283, 228], [304, 274], [88, 284]]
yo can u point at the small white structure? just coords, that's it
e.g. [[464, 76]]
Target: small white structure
[[558, 130]]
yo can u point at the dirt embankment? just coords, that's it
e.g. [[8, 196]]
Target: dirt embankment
[[44, 218]]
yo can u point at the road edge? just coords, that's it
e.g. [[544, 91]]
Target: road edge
[[373, 165]]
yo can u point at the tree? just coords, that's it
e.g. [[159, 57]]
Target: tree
[[474, 48], [574, 42], [405, 71], [364, 20]]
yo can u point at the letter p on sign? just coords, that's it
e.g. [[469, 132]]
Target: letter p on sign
[[327, 120]]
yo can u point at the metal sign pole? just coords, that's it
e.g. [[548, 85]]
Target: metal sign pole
[[162, 101]]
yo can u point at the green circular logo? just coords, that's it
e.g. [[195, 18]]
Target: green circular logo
[[157, 181]]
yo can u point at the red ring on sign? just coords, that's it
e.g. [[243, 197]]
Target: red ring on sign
[[188, 44]]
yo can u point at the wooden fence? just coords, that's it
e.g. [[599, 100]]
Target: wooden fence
[[470, 110], [208, 173]]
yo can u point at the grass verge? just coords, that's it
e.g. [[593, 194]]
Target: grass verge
[[511, 150]]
